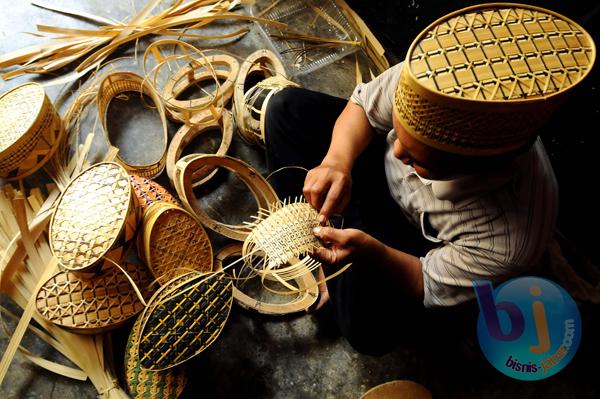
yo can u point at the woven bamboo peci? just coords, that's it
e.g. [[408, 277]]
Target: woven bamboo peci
[[95, 303], [187, 133], [183, 318], [95, 213], [306, 283], [30, 131], [185, 170], [143, 383], [259, 65], [118, 83], [484, 80], [147, 191], [173, 242]]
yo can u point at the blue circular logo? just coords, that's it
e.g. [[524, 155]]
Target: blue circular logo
[[529, 328]]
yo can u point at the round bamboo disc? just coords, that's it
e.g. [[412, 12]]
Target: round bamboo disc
[[297, 304], [183, 318], [174, 243], [143, 383], [30, 131], [95, 213], [398, 390], [96, 303]]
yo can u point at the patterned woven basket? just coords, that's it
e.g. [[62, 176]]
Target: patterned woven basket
[[147, 191], [143, 383], [96, 303], [485, 79], [183, 318], [174, 242], [30, 131], [95, 213]]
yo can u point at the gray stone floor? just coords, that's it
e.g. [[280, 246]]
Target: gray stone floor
[[299, 356]]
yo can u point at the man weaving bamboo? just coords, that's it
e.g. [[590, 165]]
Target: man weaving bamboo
[[436, 165]]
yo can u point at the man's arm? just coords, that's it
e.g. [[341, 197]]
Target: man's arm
[[328, 186]]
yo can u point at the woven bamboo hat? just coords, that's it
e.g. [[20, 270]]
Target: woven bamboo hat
[[483, 80]]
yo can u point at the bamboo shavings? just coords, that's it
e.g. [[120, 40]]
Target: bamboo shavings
[[21, 273], [72, 44]]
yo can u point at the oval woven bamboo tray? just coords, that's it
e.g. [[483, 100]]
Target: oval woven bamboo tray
[[183, 318], [96, 303], [30, 131], [95, 213], [298, 303], [147, 191], [174, 242], [143, 383]]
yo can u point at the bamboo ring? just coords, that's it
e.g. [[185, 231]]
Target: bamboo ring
[[187, 133], [197, 71], [302, 302], [255, 63], [264, 194], [121, 82]]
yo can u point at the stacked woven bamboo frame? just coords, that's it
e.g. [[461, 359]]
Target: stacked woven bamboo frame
[[262, 63], [485, 79], [306, 284], [144, 383], [93, 304], [95, 214], [172, 242], [183, 318], [122, 82], [30, 131], [147, 192], [187, 133], [183, 178]]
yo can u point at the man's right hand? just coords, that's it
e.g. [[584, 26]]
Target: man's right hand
[[328, 188]]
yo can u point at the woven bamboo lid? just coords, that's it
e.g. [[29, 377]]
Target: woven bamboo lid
[[95, 211], [483, 80], [20, 109]]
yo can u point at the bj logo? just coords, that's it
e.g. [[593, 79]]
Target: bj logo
[[516, 335]]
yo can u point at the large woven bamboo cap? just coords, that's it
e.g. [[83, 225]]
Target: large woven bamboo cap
[[483, 80]]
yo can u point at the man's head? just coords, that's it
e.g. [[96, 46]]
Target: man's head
[[477, 85]]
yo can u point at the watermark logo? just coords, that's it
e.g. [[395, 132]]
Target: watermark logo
[[529, 328]]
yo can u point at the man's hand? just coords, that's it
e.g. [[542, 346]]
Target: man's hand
[[345, 246], [328, 188]]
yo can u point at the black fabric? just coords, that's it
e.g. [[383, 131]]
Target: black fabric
[[370, 314]]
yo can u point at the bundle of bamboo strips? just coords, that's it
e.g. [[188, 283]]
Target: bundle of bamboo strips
[[72, 44], [26, 262]]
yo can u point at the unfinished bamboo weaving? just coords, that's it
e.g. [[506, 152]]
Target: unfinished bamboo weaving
[[118, 83], [147, 192], [143, 383], [306, 284], [259, 65], [173, 242], [95, 214], [187, 133], [30, 131], [94, 303], [183, 178], [484, 80], [183, 318]]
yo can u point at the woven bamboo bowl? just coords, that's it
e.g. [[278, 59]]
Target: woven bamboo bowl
[[97, 212], [95, 303], [30, 131], [183, 318]]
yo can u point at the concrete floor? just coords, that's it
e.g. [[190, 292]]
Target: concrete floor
[[299, 356]]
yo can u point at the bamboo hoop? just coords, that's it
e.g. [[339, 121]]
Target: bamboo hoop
[[195, 72], [143, 383], [120, 82], [30, 131], [183, 318], [185, 168], [306, 283], [187, 133], [94, 304], [173, 243], [263, 63], [95, 213]]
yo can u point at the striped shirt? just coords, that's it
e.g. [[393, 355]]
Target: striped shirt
[[490, 226]]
